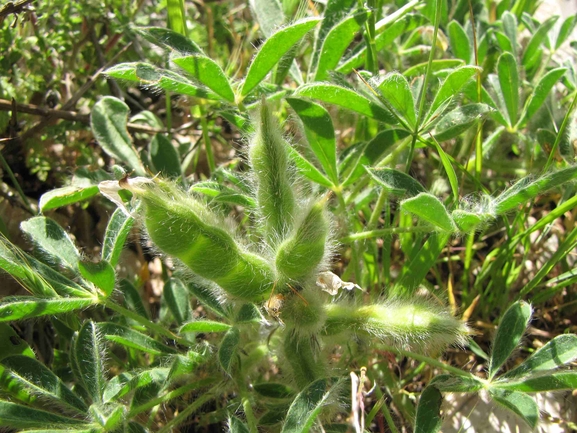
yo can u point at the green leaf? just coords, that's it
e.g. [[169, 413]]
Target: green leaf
[[164, 157], [519, 403], [208, 73], [89, 357], [334, 12], [451, 175], [248, 313], [273, 49], [18, 417], [345, 98], [307, 169], [133, 339], [509, 333], [419, 265], [533, 51], [119, 386], [449, 383], [510, 28], [273, 390], [37, 277], [436, 65], [556, 353], [383, 40], [308, 405], [223, 194], [566, 29], [175, 294], [452, 85], [64, 196], [207, 298], [268, 13], [540, 93], [430, 209], [336, 42], [49, 237], [457, 121], [169, 40], [36, 382], [204, 326], [26, 307], [397, 182], [467, 221], [100, 274], [320, 134], [460, 44], [509, 83], [527, 189], [176, 83], [108, 122], [228, 348], [12, 344], [428, 418], [132, 297], [566, 380], [397, 92], [115, 236], [236, 426]]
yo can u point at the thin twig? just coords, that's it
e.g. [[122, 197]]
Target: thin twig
[[74, 116]]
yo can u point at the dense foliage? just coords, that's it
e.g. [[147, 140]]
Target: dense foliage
[[303, 199]]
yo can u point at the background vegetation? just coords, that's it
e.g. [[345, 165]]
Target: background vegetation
[[437, 139]]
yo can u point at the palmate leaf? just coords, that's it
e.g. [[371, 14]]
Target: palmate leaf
[[521, 404], [207, 71], [428, 419], [163, 156], [509, 83], [89, 357], [320, 134], [307, 169], [308, 404], [176, 296], [336, 42], [227, 351], [26, 307], [273, 49], [169, 40], [396, 182], [345, 98], [204, 326], [509, 333], [131, 338], [430, 209], [556, 353], [397, 94], [29, 380], [108, 121], [11, 344], [52, 240], [117, 231], [560, 381], [16, 416]]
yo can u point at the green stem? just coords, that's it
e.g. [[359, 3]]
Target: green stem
[[560, 134], [207, 142], [16, 184], [247, 407], [432, 362], [144, 321], [194, 406], [384, 232], [169, 396]]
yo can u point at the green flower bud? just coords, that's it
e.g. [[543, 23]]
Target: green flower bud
[[184, 228], [269, 160], [299, 256], [414, 323]]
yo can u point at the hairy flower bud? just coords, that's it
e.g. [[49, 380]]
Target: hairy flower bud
[[301, 253], [184, 228], [415, 323], [269, 160]]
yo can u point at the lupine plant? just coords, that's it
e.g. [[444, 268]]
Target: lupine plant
[[277, 250]]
